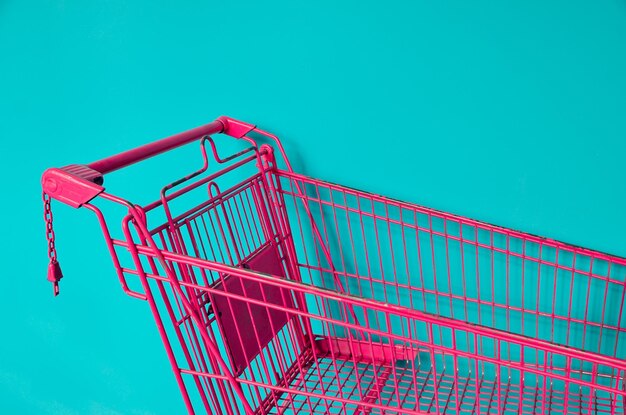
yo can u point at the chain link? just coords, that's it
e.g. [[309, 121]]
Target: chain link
[[47, 214]]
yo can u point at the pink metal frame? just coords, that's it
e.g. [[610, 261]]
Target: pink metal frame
[[277, 293]]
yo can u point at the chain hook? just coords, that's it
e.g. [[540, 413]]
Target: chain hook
[[54, 268]]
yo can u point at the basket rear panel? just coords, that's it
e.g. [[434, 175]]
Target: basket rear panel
[[236, 227]]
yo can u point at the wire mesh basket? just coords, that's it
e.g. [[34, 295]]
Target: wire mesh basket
[[277, 293]]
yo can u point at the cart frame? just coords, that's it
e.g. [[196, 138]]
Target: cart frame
[[281, 293]]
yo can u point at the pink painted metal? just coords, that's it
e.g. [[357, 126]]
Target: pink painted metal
[[277, 293]]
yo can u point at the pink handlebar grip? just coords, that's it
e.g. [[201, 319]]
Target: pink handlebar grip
[[138, 154], [226, 125]]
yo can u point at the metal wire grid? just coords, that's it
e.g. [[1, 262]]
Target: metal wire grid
[[439, 379], [449, 361], [451, 266], [432, 392]]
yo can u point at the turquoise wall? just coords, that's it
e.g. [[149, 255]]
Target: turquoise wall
[[512, 113]]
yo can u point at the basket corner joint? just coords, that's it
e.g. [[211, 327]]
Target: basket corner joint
[[235, 128]]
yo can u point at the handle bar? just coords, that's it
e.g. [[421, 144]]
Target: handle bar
[[224, 125], [78, 184], [135, 155]]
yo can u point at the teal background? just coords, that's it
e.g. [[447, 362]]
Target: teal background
[[508, 112]]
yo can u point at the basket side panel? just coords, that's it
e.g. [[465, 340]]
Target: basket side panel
[[393, 360], [426, 260]]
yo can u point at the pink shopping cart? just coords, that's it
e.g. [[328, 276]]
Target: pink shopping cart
[[277, 293]]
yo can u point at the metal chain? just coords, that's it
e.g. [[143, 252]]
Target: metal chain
[[54, 269], [47, 214]]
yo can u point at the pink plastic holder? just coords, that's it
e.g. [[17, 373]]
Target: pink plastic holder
[[277, 293]]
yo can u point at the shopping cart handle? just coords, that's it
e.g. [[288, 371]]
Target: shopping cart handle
[[226, 125], [77, 184]]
